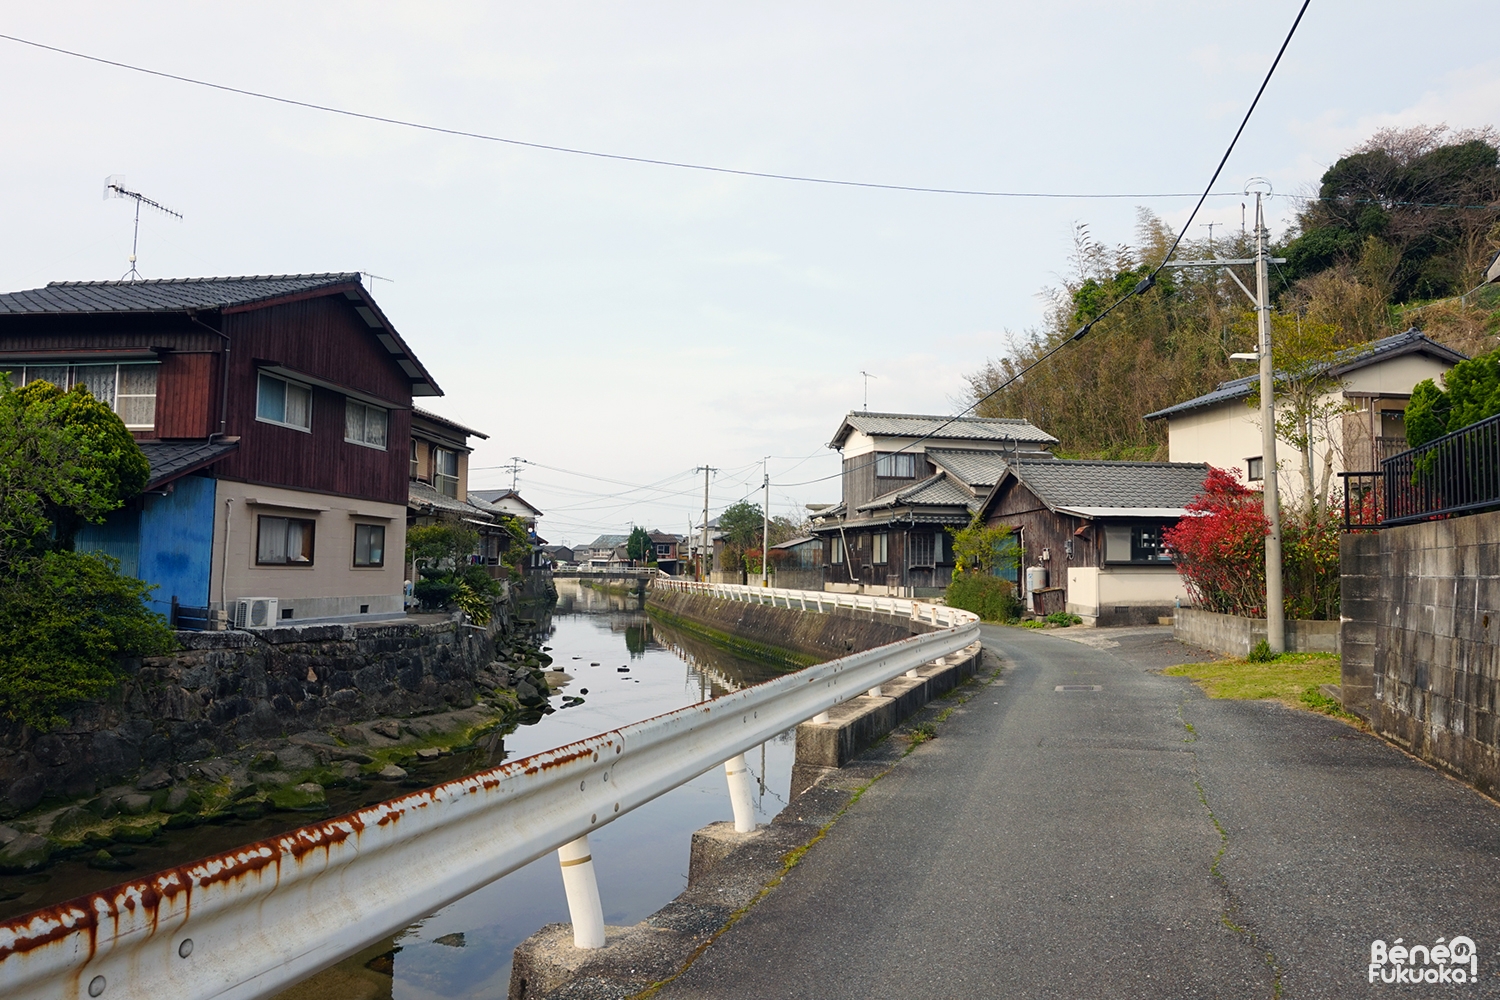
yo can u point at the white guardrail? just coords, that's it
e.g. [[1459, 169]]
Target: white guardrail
[[250, 922]]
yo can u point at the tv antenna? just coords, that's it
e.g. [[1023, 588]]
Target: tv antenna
[[867, 376], [114, 187]]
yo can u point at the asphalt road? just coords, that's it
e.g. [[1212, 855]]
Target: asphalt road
[[1135, 841]]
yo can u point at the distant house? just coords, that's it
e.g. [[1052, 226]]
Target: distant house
[[666, 549], [600, 553], [275, 413], [1375, 383], [560, 555], [798, 563], [1096, 529], [510, 503], [908, 479]]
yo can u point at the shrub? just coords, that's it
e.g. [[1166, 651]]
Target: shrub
[[1064, 618], [989, 597], [1261, 653]]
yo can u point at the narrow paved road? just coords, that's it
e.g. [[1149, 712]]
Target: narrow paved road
[[1133, 841]]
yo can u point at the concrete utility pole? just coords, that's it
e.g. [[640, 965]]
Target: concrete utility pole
[[765, 525], [1260, 299], [703, 549]]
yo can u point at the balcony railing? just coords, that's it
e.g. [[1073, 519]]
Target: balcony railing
[[1458, 473]]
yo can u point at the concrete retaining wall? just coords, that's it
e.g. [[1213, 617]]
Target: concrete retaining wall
[[1235, 636], [1422, 607]]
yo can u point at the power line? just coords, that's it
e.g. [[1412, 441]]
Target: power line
[[1141, 287], [597, 154]]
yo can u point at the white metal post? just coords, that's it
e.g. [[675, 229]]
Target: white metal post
[[582, 888], [765, 528], [821, 719], [737, 772]]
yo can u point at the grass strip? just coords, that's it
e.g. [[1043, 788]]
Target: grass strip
[[1294, 679]]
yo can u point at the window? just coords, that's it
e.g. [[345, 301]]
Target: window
[[881, 542], [369, 545], [902, 466], [1255, 469], [284, 540], [445, 472], [414, 470], [921, 550], [1135, 543], [128, 389], [836, 553], [278, 401], [364, 424]]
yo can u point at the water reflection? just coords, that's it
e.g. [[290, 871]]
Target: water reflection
[[632, 668]]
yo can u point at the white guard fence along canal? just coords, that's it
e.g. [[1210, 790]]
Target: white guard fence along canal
[[250, 922]]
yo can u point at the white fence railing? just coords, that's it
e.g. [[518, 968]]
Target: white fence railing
[[252, 921], [817, 600]]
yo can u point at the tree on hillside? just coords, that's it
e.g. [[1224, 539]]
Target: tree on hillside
[[1470, 392], [66, 618]]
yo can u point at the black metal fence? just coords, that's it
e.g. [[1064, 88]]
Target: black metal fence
[[1458, 473], [1364, 500]]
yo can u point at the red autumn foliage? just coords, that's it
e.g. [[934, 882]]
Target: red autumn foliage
[[1220, 548]]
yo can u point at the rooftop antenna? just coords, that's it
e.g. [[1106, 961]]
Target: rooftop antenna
[[867, 376], [114, 187], [1210, 227]]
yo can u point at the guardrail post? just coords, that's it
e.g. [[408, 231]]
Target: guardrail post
[[874, 692], [737, 771], [821, 718], [582, 888]]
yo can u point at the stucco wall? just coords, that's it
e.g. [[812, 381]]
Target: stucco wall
[[1124, 595], [332, 586], [1236, 636]]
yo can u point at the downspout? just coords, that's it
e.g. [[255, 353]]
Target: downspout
[[848, 563], [224, 566], [223, 377]]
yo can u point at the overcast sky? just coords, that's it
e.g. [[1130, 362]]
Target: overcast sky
[[625, 322]]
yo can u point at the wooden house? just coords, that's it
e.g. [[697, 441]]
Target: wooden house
[[275, 413], [908, 480], [1095, 528]]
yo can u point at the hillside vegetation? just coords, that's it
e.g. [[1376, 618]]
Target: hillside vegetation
[[1398, 235]]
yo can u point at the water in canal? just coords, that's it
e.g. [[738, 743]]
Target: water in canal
[[464, 950]]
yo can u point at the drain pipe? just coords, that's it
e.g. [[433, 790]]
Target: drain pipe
[[224, 566]]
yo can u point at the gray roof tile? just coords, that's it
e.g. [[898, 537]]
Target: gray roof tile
[[170, 460], [976, 468], [1084, 483], [163, 294], [942, 428], [1412, 341]]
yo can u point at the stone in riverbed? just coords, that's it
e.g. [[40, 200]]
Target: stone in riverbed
[[155, 779], [135, 803], [26, 853], [389, 728], [182, 799], [392, 773], [429, 753], [107, 862], [71, 820], [306, 797]]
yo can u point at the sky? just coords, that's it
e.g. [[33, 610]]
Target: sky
[[617, 325]]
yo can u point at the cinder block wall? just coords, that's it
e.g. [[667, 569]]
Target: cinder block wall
[[1435, 669]]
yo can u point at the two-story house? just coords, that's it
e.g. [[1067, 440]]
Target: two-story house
[[275, 413], [1369, 387], [907, 480]]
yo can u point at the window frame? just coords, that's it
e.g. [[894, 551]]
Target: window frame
[[368, 408], [311, 529], [438, 477], [891, 460], [1140, 554], [836, 552], [1255, 469], [880, 548], [70, 379], [918, 541], [368, 527], [286, 383]]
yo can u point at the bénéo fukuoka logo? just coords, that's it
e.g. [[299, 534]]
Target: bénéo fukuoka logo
[[1455, 961]]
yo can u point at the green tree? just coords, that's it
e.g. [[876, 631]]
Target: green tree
[[638, 547], [1471, 392], [741, 524], [984, 550], [66, 618], [441, 554]]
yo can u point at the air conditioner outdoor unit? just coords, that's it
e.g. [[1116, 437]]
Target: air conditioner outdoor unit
[[255, 612]]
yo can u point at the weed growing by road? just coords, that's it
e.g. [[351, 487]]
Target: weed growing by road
[[1291, 678], [921, 733]]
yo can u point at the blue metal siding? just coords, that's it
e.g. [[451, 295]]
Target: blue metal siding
[[119, 536], [176, 543]]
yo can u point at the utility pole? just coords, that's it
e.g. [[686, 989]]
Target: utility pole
[[765, 525], [1260, 299], [703, 549]]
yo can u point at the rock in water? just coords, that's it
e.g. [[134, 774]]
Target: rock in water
[[389, 728], [392, 773], [26, 853]]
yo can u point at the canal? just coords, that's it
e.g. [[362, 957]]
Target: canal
[[464, 950]]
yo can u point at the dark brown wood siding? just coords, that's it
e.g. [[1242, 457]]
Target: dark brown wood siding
[[326, 339], [861, 485], [187, 394]]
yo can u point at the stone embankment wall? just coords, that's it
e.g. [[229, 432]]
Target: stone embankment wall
[[224, 689], [1235, 636], [774, 632], [1422, 640]]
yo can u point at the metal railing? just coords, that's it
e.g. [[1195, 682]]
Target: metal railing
[[1458, 473], [1364, 500], [252, 921], [817, 600]]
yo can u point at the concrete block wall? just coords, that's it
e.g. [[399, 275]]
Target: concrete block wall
[[1236, 636], [1429, 595]]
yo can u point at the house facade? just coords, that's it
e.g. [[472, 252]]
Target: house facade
[[275, 413], [907, 480], [1089, 534], [1368, 406]]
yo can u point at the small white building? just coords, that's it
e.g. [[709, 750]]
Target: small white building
[[1375, 383]]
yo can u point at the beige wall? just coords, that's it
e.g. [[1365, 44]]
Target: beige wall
[[859, 443], [1091, 588], [332, 586]]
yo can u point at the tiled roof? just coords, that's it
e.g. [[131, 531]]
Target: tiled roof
[[163, 294], [1413, 341], [942, 428], [493, 498], [171, 459], [608, 541], [422, 496], [934, 491], [1113, 485], [794, 542], [444, 421], [976, 468]]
